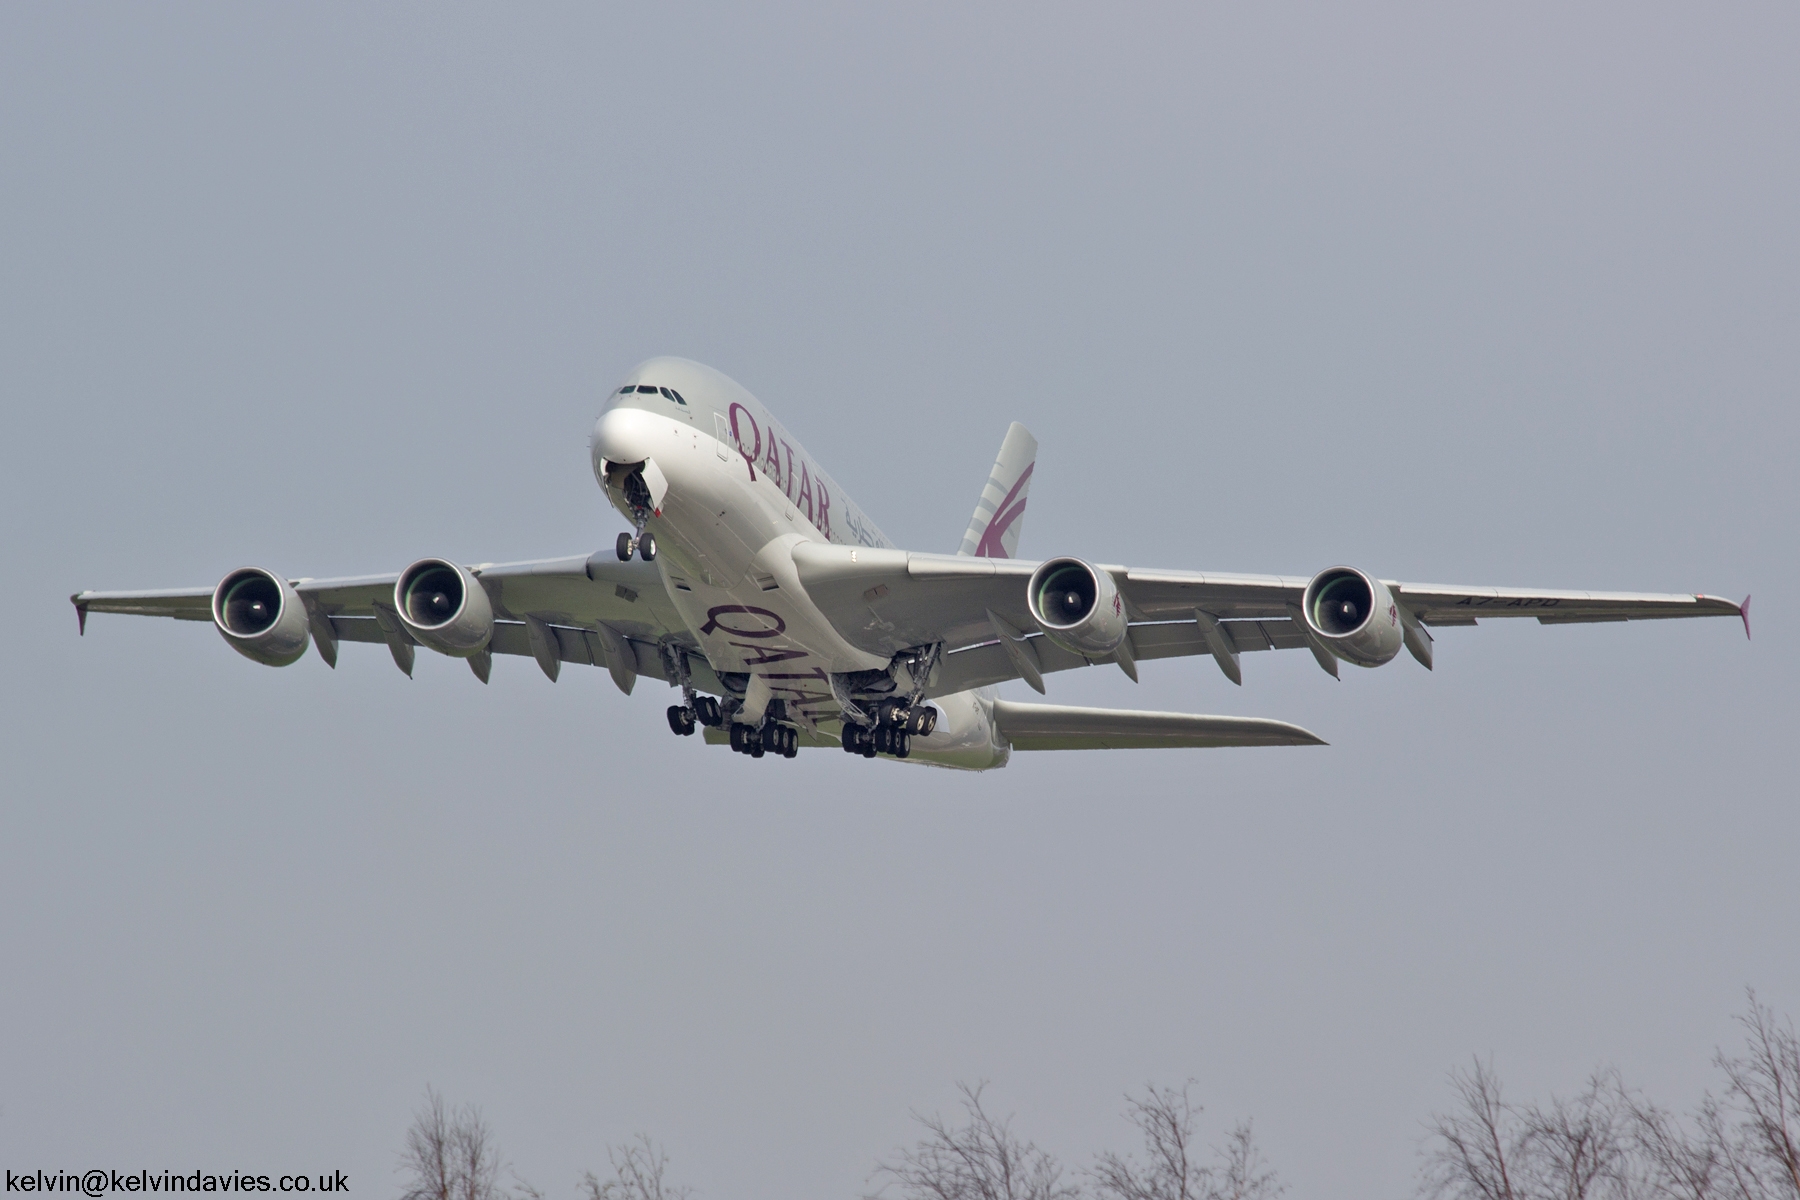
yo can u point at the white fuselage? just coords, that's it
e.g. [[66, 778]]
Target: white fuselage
[[738, 493]]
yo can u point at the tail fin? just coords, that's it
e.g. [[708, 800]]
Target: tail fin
[[994, 530]]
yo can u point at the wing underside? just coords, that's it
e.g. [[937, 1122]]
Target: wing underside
[[593, 611], [889, 600], [601, 612]]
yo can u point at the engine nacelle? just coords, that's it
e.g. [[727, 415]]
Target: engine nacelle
[[261, 616], [1077, 607], [444, 607], [1354, 616]]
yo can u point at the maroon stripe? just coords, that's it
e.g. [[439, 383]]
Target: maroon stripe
[[1003, 519]]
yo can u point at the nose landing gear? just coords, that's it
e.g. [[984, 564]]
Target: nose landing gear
[[643, 545]]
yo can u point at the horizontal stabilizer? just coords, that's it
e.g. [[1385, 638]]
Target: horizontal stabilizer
[[1055, 727]]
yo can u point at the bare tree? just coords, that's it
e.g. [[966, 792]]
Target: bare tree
[[1490, 1150], [1763, 1153], [981, 1160], [1744, 1147], [1166, 1118], [637, 1174], [450, 1154], [1580, 1147], [1473, 1151], [1679, 1163], [1612, 1144]]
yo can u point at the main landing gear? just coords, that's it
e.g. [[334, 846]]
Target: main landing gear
[[771, 737], [767, 738], [644, 545], [895, 728], [683, 718]]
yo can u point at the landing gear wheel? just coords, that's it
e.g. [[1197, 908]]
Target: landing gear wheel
[[706, 709], [647, 547], [681, 720], [922, 720], [625, 547]]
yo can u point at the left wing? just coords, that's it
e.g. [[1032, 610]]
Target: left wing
[[886, 601]]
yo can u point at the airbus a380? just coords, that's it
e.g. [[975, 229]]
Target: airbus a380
[[753, 583]]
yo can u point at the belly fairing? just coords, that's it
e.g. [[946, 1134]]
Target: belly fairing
[[965, 736]]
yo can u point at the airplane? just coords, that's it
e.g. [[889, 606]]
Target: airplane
[[751, 581]]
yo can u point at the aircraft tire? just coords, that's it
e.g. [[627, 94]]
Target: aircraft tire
[[624, 547], [647, 547]]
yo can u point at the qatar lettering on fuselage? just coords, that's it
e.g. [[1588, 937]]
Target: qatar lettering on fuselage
[[750, 629], [807, 690], [767, 450], [765, 447]]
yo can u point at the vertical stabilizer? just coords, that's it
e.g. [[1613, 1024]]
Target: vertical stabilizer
[[994, 530]]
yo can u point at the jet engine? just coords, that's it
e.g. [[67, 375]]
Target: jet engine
[[1354, 616], [444, 607], [1077, 607], [261, 616]]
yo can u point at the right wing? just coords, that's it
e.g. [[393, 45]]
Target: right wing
[[596, 611]]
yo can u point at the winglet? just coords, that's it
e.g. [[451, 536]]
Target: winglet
[[80, 612], [1744, 612]]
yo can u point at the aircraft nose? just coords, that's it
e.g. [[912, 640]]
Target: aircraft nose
[[624, 435]]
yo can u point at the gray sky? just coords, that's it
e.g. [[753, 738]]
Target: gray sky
[[1502, 297]]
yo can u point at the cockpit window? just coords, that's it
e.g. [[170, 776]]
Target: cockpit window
[[647, 390]]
